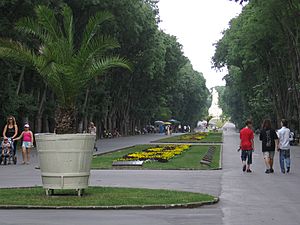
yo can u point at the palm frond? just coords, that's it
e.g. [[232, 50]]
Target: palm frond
[[65, 70], [68, 25], [50, 72], [16, 51], [47, 19], [101, 66], [93, 25], [32, 27], [98, 47], [60, 51], [101, 44]]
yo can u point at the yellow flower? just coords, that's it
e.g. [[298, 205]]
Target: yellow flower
[[160, 153], [196, 136]]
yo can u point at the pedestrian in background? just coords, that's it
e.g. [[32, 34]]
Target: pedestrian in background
[[269, 140], [247, 146], [284, 147], [27, 143], [11, 131], [93, 130]]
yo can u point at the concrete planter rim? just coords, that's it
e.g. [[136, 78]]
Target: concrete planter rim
[[65, 159]]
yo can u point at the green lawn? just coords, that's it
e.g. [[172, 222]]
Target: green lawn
[[189, 159], [98, 196], [212, 137]]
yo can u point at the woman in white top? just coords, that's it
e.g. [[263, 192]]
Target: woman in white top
[[93, 130]]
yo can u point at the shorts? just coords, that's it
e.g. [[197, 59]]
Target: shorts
[[269, 154], [247, 155], [26, 144]]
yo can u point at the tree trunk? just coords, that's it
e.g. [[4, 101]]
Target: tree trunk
[[65, 120], [80, 126], [46, 124], [25, 120], [109, 120], [39, 124], [20, 80], [86, 125], [82, 123]]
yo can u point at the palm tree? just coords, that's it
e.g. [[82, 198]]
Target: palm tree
[[65, 68]]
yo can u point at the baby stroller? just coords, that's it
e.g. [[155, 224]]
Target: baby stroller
[[8, 155]]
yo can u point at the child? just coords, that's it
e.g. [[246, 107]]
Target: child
[[5, 149], [27, 143]]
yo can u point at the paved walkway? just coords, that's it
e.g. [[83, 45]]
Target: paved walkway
[[259, 198], [255, 199], [107, 145]]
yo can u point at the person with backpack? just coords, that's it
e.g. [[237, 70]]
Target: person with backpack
[[269, 140]]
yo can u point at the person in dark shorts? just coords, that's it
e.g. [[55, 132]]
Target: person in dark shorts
[[247, 146], [269, 140], [11, 131]]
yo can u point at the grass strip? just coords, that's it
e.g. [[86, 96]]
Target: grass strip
[[188, 160], [212, 137], [98, 196]]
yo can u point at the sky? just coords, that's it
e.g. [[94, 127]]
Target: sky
[[198, 24]]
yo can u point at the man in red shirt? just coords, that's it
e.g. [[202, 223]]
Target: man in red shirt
[[247, 146]]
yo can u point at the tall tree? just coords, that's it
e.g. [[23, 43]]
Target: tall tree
[[65, 69], [260, 50]]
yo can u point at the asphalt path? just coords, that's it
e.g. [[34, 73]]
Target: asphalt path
[[255, 198], [258, 198]]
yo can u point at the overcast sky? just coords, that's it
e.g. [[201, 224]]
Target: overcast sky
[[198, 24]]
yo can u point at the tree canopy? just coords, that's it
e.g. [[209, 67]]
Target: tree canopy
[[65, 69], [162, 84], [261, 53]]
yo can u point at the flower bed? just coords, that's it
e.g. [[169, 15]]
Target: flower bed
[[197, 136], [159, 153]]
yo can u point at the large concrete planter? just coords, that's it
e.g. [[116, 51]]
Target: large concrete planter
[[65, 160]]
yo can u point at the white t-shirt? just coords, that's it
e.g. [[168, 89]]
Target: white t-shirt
[[92, 130], [284, 138]]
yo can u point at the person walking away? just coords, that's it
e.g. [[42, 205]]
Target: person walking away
[[284, 147], [247, 146], [93, 130], [27, 143], [269, 140], [11, 131]]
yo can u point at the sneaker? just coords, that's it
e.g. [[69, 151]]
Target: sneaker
[[244, 168], [282, 171], [271, 170], [249, 171], [268, 171], [288, 170]]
